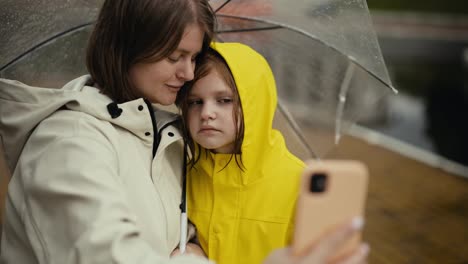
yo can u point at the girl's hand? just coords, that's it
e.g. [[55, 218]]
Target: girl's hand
[[191, 248], [324, 249]]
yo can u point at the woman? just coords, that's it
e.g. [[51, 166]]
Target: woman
[[96, 167]]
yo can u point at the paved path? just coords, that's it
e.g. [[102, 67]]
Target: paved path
[[415, 213]]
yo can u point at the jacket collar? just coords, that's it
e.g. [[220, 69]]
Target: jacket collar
[[23, 107]]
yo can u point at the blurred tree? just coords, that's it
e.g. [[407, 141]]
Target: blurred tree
[[437, 6], [446, 112]]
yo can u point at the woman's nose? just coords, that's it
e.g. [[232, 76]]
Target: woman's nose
[[186, 70]]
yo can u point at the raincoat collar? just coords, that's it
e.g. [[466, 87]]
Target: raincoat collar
[[23, 107]]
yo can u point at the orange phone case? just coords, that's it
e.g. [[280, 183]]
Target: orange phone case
[[318, 213]]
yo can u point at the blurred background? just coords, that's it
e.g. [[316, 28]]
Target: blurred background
[[417, 152], [425, 46]]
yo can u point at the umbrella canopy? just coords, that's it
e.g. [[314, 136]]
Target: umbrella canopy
[[327, 62], [324, 53], [43, 41]]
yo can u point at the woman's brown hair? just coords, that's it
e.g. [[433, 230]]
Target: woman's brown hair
[[212, 61], [132, 31]]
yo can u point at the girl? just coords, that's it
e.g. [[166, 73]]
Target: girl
[[242, 182]]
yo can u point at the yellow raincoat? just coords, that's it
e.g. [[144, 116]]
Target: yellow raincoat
[[241, 216]]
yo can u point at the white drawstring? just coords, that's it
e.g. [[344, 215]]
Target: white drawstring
[[183, 232]]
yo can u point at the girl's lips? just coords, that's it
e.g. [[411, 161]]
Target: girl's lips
[[208, 130]]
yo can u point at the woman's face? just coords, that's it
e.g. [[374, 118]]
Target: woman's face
[[160, 81], [210, 114]]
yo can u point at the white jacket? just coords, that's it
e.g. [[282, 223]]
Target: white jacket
[[85, 186]]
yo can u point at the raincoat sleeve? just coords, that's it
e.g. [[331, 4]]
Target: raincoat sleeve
[[76, 210]]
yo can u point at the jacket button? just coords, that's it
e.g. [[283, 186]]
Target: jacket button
[[140, 107], [216, 229], [170, 134], [147, 133]]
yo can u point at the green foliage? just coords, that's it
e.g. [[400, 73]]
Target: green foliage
[[434, 6]]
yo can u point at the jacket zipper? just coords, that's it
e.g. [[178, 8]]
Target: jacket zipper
[[155, 128], [156, 134]]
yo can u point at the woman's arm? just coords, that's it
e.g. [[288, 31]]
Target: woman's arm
[[76, 210]]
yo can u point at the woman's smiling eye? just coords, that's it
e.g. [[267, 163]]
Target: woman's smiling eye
[[171, 59]]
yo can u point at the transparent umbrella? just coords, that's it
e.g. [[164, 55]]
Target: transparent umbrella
[[43, 42], [324, 53], [328, 66]]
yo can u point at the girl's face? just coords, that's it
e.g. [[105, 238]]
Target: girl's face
[[160, 81], [210, 114]]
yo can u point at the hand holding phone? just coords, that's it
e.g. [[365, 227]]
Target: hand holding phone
[[332, 192]]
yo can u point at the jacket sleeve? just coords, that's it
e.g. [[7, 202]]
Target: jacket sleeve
[[76, 209]]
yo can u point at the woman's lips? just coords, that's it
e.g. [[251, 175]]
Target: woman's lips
[[174, 87]]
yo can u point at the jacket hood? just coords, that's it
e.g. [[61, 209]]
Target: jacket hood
[[23, 107], [257, 91]]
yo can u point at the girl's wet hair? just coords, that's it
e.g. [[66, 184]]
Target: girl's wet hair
[[128, 32], [212, 61]]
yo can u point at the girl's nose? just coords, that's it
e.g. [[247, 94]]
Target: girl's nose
[[186, 70], [208, 112]]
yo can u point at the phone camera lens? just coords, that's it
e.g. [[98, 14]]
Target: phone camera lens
[[318, 182]]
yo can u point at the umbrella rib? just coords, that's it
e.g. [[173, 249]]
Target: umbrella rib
[[345, 84], [219, 8], [40, 44], [295, 127], [307, 34], [248, 29]]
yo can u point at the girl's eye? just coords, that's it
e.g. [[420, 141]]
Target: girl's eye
[[225, 100], [195, 102]]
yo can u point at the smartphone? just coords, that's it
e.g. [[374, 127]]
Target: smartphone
[[331, 193]]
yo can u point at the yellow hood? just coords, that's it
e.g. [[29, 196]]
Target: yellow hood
[[257, 90]]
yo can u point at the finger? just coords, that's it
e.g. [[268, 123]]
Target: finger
[[359, 256], [330, 243], [175, 252], [195, 249]]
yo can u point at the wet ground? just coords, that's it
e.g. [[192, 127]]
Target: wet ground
[[415, 213]]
